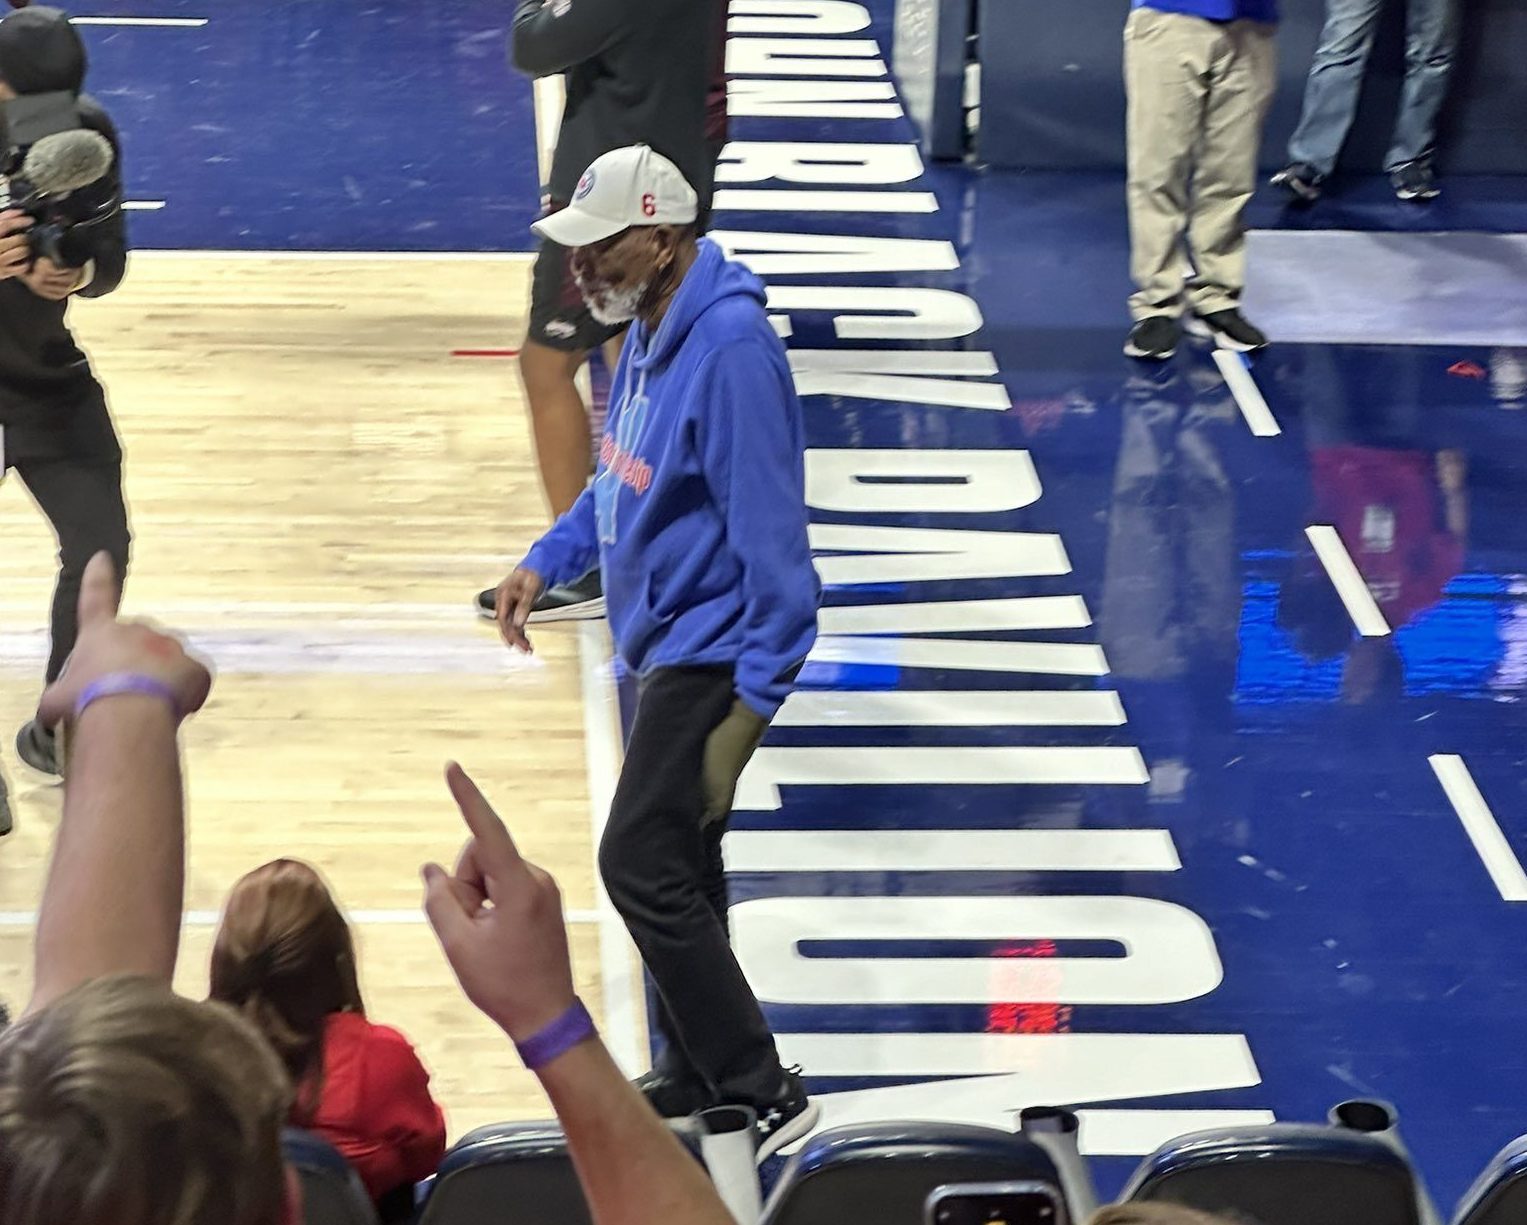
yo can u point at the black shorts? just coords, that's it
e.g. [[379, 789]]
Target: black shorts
[[559, 317]]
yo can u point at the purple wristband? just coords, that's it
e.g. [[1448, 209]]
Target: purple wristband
[[115, 684], [572, 1027]]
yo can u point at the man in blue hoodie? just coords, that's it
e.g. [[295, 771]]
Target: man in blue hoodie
[[1200, 76], [697, 519]]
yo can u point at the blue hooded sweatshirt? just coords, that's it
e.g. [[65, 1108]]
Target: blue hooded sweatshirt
[[697, 512]]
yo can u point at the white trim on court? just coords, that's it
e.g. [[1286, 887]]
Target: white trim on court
[[1479, 823], [1361, 606], [338, 257], [181, 23], [1248, 396], [142, 206], [951, 850], [624, 1002]]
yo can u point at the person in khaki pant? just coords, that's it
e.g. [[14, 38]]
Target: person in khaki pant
[[1200, 76]]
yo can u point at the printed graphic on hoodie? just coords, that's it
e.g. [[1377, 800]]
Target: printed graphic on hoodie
[[620, 464]]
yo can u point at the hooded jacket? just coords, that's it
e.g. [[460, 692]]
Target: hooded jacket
[[43, 372], [697, 512]]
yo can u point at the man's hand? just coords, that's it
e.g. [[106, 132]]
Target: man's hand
[[499, 920], [517, 595], [15, 251], [727, 752], [47, 280], [106, 645]]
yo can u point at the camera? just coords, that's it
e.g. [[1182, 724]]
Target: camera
[[56, 171]]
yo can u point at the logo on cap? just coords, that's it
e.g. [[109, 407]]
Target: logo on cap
[[585, 185]]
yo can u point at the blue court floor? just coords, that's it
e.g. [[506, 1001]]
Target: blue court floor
[[1094, 793]]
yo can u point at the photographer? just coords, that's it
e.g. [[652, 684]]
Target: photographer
[[55, 429]]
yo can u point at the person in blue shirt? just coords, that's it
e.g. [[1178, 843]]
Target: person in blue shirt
[[1336, 80], [697, 519], [1200, 75]]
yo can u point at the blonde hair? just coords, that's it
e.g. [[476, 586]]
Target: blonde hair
[[1154, 1214], [123, 1104]]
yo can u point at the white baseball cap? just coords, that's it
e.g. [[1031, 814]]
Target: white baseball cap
[[624, 188]]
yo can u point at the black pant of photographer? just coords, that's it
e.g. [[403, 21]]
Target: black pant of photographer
[[83, 501], [661, 865]]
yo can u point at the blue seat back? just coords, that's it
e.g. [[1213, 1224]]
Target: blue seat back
[[509, 1174], [1283, 1174], [883, 1172], [332, 1193], [1499, 1195]]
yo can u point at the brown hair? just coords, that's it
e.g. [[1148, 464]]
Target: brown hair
[[123, 1104], [1154, 1214], [284, 957]]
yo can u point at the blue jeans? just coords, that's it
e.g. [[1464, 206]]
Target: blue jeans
[[1336, 79]]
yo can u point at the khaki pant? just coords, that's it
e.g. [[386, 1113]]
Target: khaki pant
[[1198, 93]]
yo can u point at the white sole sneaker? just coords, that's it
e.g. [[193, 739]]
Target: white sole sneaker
[[1195, 326], [586, 610], [792, 1131]]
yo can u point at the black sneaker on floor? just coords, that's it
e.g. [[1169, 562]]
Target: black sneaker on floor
[[787, 1118], [1229, 330], [37, 746], [674, 1097], [1415, 181], [580, 601], [1154, 338], [1301, 181]]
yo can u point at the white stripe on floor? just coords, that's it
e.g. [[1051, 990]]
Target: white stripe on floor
[[1480, 824], [1361, 606], [1247, 394]]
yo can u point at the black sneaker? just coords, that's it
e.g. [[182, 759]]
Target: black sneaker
[[580, 601], [1154, 338], [6, 822], [675, 1097], [487, 604], [1301, 181], [38, 747], [1229, 329], [787, 1118], [1415, 181]]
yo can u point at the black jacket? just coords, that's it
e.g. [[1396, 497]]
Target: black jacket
[[637, 73], [41, 366]]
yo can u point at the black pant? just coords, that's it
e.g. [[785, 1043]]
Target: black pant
[[664, 875], [83, 501]]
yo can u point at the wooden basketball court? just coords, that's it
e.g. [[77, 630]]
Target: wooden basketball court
[[317, 490]]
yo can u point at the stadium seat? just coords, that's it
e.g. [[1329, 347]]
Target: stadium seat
[[512, 1174], [882, 1173], [331, 1191], [1499, 1195], [1285, 1174]]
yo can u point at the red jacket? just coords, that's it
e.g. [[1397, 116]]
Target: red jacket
[[375, 1106]]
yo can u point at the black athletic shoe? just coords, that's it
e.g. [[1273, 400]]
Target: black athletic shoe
[[1229, 329], [675, 1097], [787, 1118], [487, 604], [6, 822], [1301, 181], [38, 747], [1415, 181], [580, 601], [1154, 338]]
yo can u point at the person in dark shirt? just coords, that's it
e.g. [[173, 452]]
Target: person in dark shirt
[[647, 72], [55, 430]]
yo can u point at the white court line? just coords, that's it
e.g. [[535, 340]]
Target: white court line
[[142, 206], [381, 918], [184, 23], [1247, 394], [624, 999], [1361, 606], [340, 257], [1480, 824]]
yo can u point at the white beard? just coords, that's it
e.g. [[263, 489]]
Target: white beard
[[613, 307]]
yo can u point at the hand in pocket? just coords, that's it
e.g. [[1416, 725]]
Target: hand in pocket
[[727, 751]]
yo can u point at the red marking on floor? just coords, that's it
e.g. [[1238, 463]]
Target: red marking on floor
[[1467, 370], [485, 352]]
